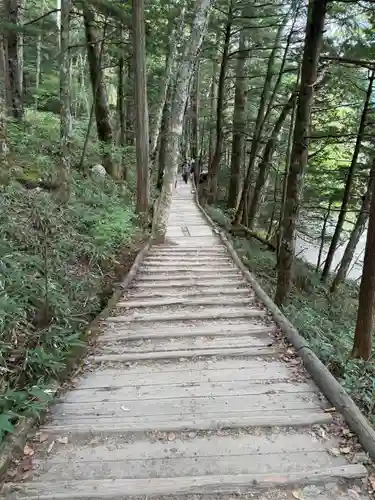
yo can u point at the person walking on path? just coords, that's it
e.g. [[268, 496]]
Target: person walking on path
[[186, 171]]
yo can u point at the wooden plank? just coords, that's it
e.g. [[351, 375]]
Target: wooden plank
[[153, 344], [170, 466], [250, 444], [153, 355], [213, 484], [212, 389], [199, 275], [208, 313], [197, 283], [194, 374], [205, 404], [281, 418], [200, 301], [220, 330], [187, 292]]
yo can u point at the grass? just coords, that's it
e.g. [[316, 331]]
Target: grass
[[57, 263], [326, 321]]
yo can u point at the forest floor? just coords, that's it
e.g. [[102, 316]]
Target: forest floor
[[326, 321], [58, 263]]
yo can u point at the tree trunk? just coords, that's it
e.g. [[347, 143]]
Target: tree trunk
[[193, 45], [65, 97], [258, 129], [129, 112], [141, 109], [265, 164], [3, 107], [216, 157], [313, 41], [164, 137], [38, 67], [213, 106], [362, 345], [195, 123], [323, 236], [358, 229], [121, 106], [348, 184], [239, 120], [99, 94], [14, 42], [169, 67], [283, 62]]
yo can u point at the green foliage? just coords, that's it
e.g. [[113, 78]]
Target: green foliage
[[53, 261]]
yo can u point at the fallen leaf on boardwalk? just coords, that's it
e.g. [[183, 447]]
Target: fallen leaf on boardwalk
[[50, 447], [345, 450], [27, 451], [335, 452], [63, 440], [43, 437], [27, 465], [371, 480], [322, 433], [123, 408], [353, 494], [297, 495], [171, 436], [330, 410]]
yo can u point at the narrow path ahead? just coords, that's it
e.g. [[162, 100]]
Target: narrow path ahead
[[191, 393]]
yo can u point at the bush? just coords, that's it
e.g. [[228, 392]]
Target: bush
[[54, 260]]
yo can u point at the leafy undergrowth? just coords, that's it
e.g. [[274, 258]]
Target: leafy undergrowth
[[57, 267], [326, 321]]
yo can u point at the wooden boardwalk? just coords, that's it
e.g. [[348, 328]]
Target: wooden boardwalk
[[191, 393]]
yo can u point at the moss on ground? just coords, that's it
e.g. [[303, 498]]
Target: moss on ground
[[326, 321]]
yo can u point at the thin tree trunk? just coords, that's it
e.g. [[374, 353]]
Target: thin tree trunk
[[65, 98], [258, 129], [195, 123], [3, 107], [286, 171], [355, 235], [121, 105], [323, 236], [273, 213], [129, 111], [193, 45], [362, 345], [348, 184], [213, 106], [38, 67], [239, 120], [141, 107], [170, 64], [313, 41], [216, 157], [100, 101], [164, 137], [282, 65], [265, 164], [14, 41]]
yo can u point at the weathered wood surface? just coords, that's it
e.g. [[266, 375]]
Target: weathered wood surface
[[190, 391]]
